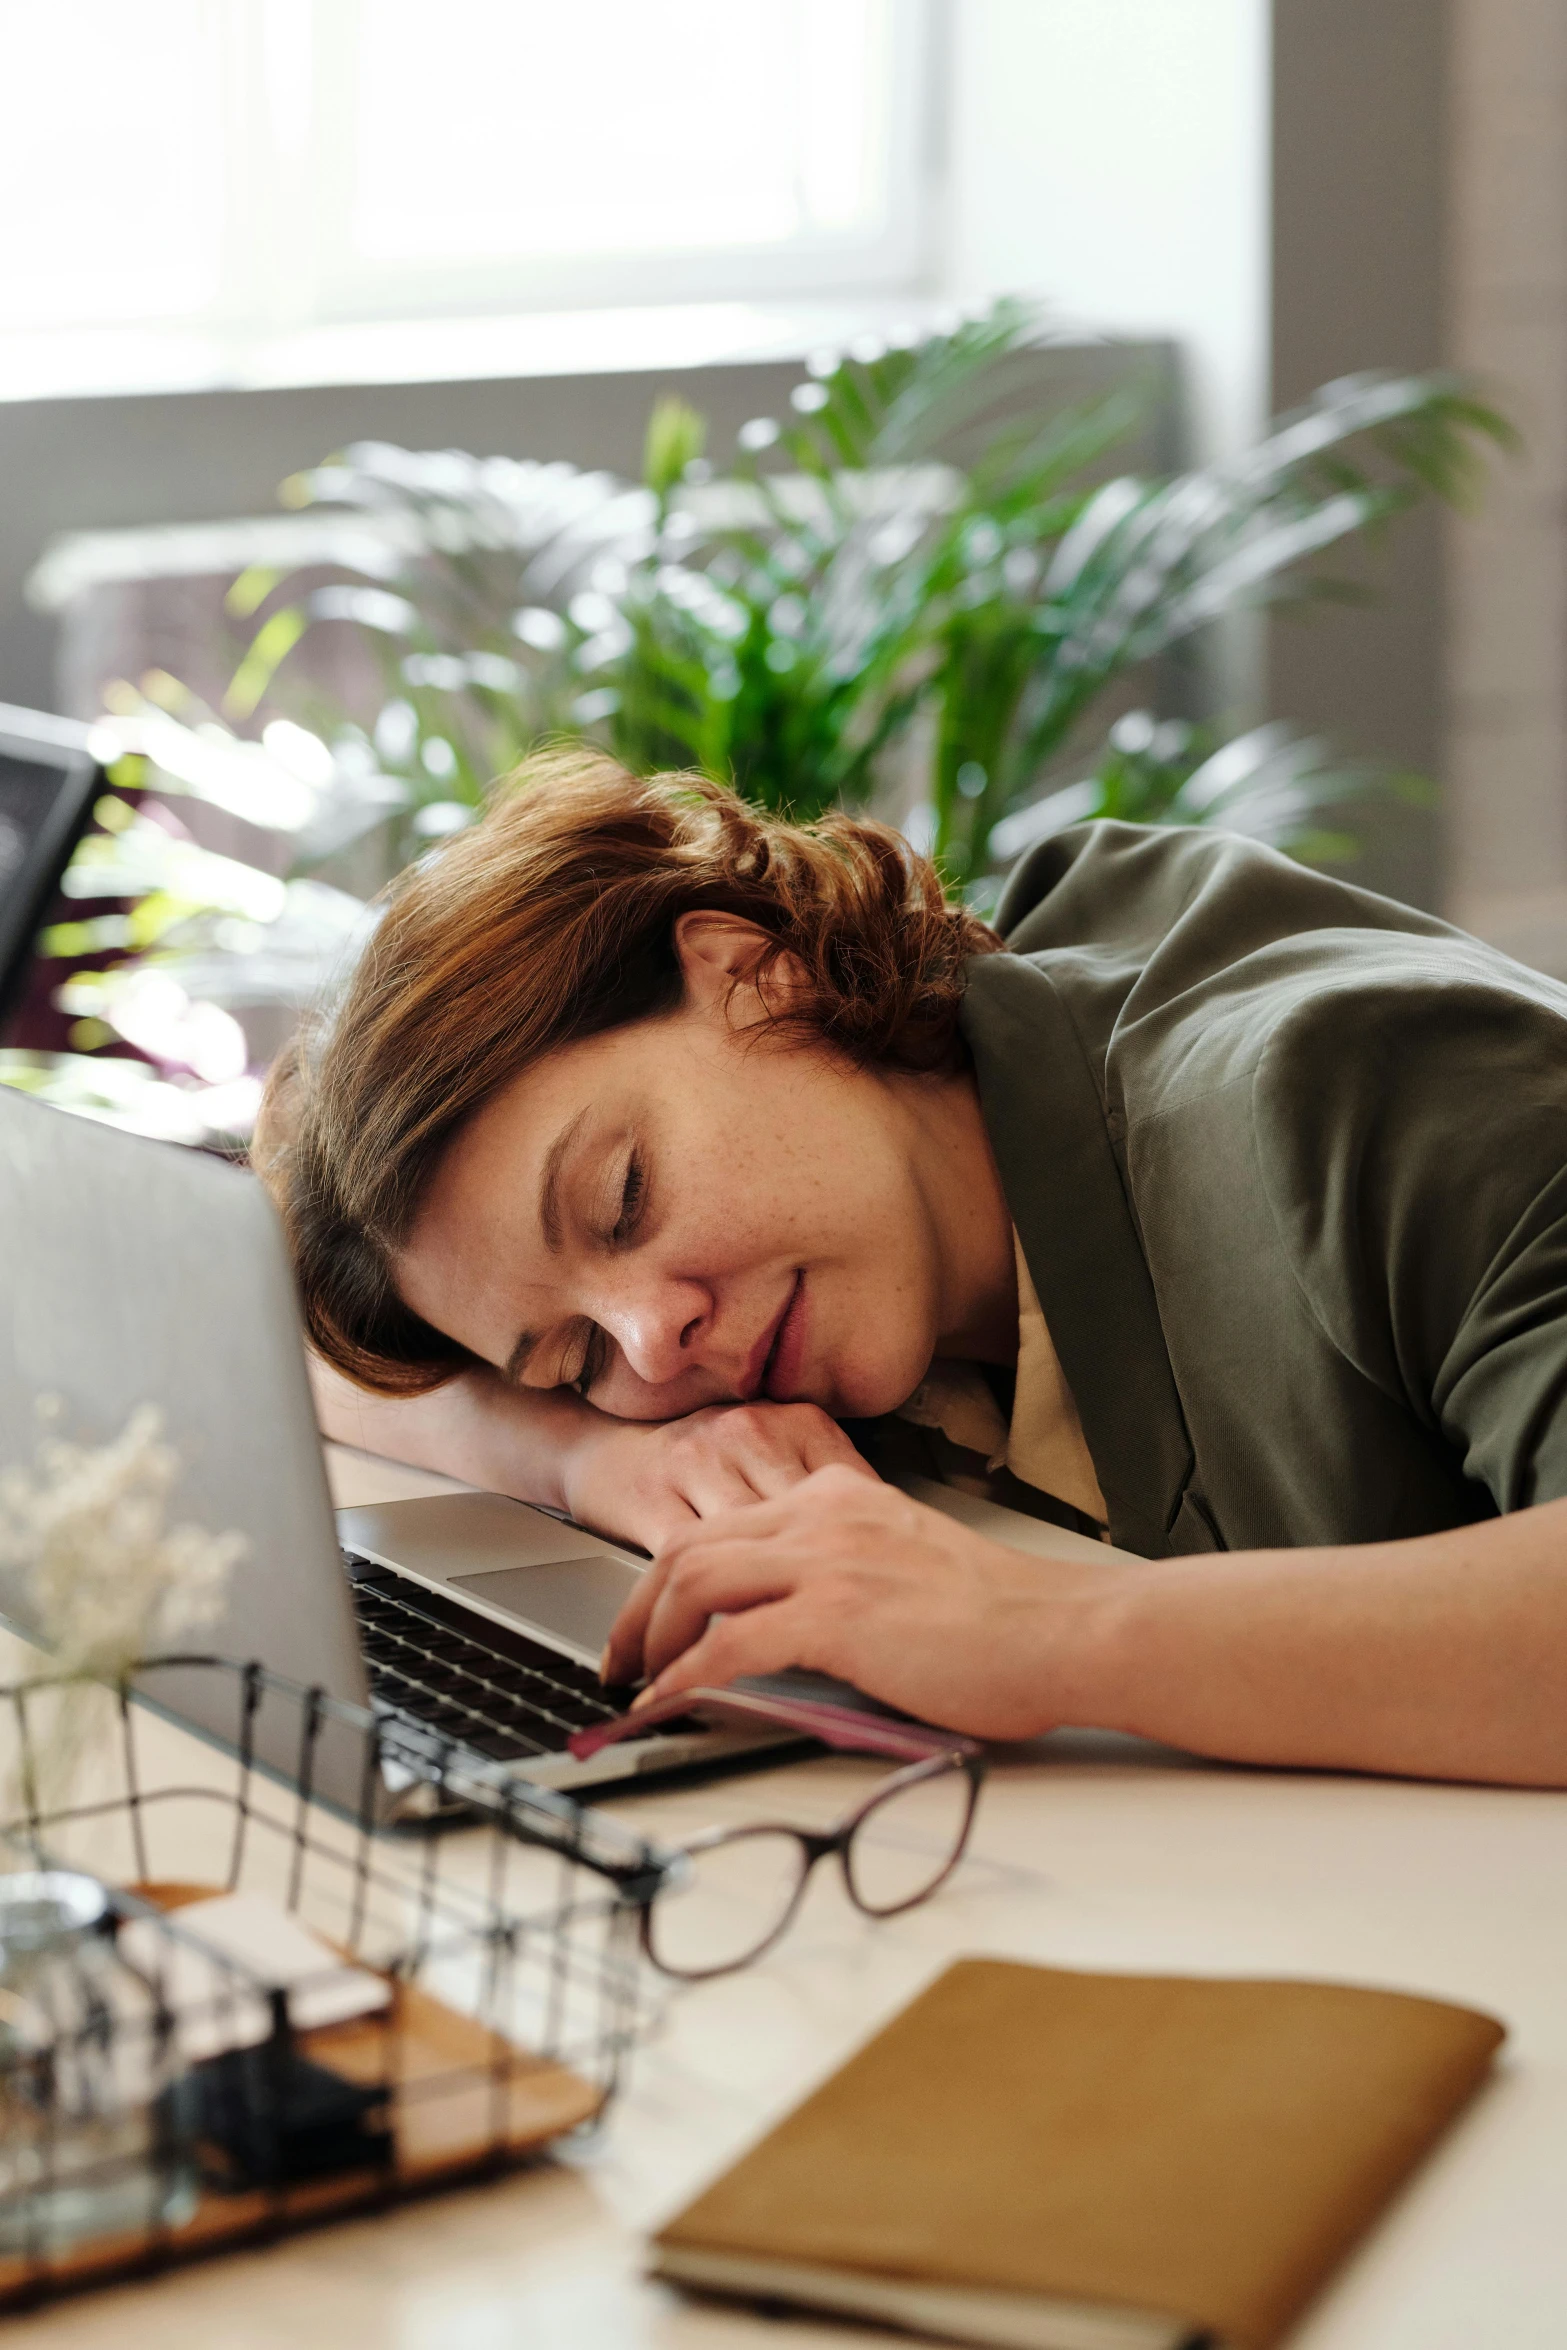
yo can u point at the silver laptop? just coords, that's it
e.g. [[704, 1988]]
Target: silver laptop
[[134, 1271]]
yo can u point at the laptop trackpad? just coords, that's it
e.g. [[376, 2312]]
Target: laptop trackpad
[[576, 1599]]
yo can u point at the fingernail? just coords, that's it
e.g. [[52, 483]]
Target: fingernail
[[604, 1662], [644, 1697]]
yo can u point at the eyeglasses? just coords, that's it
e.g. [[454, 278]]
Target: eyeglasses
[[731, 1893]]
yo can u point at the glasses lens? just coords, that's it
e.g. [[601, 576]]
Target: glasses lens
[[905, 1844], [727, 1902]]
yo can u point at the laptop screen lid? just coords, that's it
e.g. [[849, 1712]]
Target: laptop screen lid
[[135, 1272], [48, 784]]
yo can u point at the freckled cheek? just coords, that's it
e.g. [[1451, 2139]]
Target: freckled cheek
[[767, 1206], [723, 1224]]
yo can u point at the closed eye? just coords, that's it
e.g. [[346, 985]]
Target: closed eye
[[633, 1199], [594, 1354]]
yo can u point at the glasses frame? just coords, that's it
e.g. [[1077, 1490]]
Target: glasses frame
[[815, 1845]]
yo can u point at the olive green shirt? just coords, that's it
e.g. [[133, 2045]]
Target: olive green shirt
[[1289, 1166]]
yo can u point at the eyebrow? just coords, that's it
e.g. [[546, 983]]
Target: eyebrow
[[549, 1198]]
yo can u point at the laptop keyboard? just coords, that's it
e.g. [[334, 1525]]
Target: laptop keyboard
[[439, 1664]]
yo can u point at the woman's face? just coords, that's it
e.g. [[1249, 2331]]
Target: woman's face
[[685, 1212]]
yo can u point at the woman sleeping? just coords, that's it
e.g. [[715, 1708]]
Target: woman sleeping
[[674, 1166]]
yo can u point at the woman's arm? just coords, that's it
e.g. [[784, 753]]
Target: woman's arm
[[1444, 1656], [639, 1481], [474, 1427]]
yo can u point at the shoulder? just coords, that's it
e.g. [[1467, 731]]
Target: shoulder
[[1182, 954], [1322, 1052], [1149, 886], [1310, 1025], [1419, 1061], [1408, 1128], [1192, 962]]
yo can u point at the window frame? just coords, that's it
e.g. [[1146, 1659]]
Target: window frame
[[289, 267]]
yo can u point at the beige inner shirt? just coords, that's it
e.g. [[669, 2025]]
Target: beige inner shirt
[[1044, 1445]]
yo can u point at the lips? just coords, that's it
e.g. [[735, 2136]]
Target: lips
[[781, 1372], [762, 1369]]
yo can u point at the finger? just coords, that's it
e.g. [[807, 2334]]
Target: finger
[[766, 1639], [795, 1437], [727, 1581], [662, 1519], [773, 1470], [792, 1455], [825, 1446], [621, 1663], [714, 1486], [770, 1447], [761, 1518], [623, 1660]]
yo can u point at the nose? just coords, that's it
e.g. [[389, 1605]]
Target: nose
[[659, 1328]]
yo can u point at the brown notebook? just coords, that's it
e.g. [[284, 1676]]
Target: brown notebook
[[1058, 2161]]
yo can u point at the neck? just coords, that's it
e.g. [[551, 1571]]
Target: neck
[[973, 1224]]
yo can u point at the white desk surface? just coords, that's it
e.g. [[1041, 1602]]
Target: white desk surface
[[1087, 1852]]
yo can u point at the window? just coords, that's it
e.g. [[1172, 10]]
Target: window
[[253, 167], [111, 167]]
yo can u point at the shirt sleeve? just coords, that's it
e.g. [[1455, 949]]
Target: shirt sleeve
[[1412, 1135]]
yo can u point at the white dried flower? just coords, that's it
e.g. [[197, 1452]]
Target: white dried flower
[[109, 1581]]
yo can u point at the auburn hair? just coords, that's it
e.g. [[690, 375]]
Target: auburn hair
[[549, 921]]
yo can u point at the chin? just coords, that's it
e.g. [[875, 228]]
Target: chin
[[864, 1391]]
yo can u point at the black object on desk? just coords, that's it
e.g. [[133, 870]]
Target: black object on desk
[[272, 2117]]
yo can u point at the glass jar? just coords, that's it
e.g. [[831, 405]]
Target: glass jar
[[94, 2132]]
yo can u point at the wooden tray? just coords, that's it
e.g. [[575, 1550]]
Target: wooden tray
[[462, 2100]]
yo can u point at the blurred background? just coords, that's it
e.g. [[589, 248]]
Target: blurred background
[[990, 412]]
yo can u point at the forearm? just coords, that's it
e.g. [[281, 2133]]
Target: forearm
[[1440, 1657], [638, 1481], [475, 1427]]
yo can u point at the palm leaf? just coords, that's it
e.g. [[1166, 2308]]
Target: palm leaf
[[785, 626], [1269, 782]]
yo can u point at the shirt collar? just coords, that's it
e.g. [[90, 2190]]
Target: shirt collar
[[1047, 1125]]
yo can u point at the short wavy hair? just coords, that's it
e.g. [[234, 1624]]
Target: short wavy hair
[[549, 921]]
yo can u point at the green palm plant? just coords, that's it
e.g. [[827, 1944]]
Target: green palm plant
[[490, 595], [918, 555], [1010, 598], [794, 635], [1271, 782], [1145, 566]]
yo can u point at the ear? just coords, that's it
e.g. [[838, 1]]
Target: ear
[[718, 956]]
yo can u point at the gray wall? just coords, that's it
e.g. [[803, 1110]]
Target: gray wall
[[1358, 261], [1506, 828], [205, 456], [190, 457]]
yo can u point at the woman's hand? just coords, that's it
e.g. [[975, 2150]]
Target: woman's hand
[[1441, 1656], [638, 1481], [847, 1576], [650, 1481]]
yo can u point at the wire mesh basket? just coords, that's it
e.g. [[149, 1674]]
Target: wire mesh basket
[[230, 2008]]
